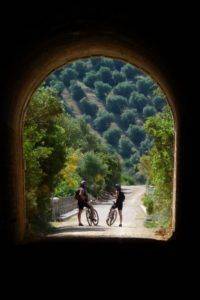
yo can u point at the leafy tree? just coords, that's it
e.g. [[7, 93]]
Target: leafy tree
[[88, 140], [137, 101], [92, 168], [44, 148], [145, 85], [57, 72], [128, 117], [129, 71], [136, 134], [105, 75], [90, 79], [52, 77], [96, 62], [67, 75], [113, 174], [103, 120], [102, 90], [69, 179], [87, 118], [115, 103], [135, 157], [58, 86], [145, 146], [81, 68], [148, 111], [158, 164], [112, 135], [124, 89], [127, 179], [118, 64], [108, 63], [159, 103], [118, 77], [77, 91], [88, 107], [125, 146], [139, 178]]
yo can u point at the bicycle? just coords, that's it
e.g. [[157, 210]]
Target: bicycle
[[92, 218], [112, 216]]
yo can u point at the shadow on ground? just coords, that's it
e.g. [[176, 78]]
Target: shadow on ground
[[77, 229]]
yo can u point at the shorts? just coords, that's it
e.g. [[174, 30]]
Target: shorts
[[118, 205], [82, 204]]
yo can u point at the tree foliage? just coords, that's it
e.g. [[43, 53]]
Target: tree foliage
[[112, 135], [136, 134], [77, 91], [145, 85], [44, 150], [103, 120], [116, 103], [88, 107], [102, 89], [81, 68], [105, 75], [124, 89], [125, 146], [129, 71], [67, 75], [149, 111], [118, 77], [90, 79], [137, 101], [157, 165], [128, 117]]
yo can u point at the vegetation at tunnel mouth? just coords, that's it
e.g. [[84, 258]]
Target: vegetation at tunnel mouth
[[103, 120]]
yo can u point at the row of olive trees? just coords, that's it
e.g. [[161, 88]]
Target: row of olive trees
[[128, 97]]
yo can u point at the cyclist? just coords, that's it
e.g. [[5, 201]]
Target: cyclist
[[83, 201], [119, 202]]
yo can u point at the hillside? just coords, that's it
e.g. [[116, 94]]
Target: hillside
[[115, 99]]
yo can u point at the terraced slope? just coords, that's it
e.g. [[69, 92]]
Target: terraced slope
[[115, 99]]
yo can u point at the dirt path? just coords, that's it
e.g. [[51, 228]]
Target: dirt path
[[133, 220]]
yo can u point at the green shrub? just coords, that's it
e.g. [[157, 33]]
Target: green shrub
[[127, 179], [112, 135], [125, 146], [136, 134], [149, 203], [102, 90], [103, 120], [129, 71], [115, 103], [90, 79], [145, 85], [128, 117], [124, 89], [76, 91], [67, 75], [80, 67], [118, 77], [137, 101], [88, 107], [159, 103], [149, 111]]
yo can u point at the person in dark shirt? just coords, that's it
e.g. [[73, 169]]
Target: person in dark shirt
[[119, 202], [83, 201]]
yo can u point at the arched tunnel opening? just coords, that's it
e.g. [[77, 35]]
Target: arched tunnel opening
[[106, 121]]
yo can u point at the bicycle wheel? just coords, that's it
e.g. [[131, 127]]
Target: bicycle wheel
[[88, 217], [96, 218], [113, 217]]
